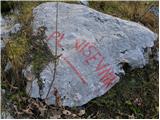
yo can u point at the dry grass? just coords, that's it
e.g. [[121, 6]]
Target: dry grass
[[131, 10], [150, 21], [16, 49]]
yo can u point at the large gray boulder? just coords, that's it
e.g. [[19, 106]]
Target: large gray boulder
[[93, 47]]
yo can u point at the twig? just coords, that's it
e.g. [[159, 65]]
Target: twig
[[55, 64]]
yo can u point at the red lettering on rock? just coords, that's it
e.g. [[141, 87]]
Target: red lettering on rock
[[75, 70], [86, 53], [104, 73], [90, 53], [79, 45], [92, 57], [90, 50], [59, 38], [109, 80], [101, 65], [53, 35], [85, 45]]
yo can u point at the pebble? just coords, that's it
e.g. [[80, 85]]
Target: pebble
[[81, 112], [66, 112]]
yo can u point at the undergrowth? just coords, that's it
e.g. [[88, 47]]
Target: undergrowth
[[135, 96]]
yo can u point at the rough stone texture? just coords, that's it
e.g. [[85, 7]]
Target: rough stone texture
[[155, 10], [8, 26], [6, 115], [8, 66], [84, 2], [116, 40]]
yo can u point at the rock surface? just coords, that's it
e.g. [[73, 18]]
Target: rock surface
[[6, 115], [8, 26], [93, 46], [155, 10], [84, 2]]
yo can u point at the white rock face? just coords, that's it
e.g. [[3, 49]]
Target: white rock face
[[8, 27], [93, 46], [84, 2]]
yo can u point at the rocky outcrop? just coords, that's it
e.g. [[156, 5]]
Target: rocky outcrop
[[9, 26], [93, 47]]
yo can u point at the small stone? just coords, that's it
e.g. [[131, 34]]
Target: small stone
[[6, 115], [74, 115], [3, 91], [28, 73], [81, 112], [55, 117], [138, 101], [157, 57], [84, 2], [66, 112], [8, 66], [154, 10]]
